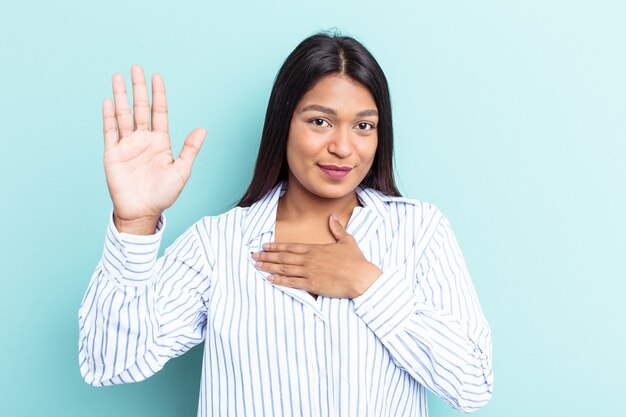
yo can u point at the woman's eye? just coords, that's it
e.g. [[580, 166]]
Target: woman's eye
[[365, 126], [318, 122]]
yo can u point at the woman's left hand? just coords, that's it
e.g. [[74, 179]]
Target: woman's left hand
[[333, 270]]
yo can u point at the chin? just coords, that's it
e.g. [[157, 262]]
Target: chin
[[329, 190]]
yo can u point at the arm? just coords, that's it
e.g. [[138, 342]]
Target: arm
[[435, 330], [425, 312], [139, 311]]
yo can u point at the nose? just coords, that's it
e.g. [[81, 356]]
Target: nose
[[340, 143]]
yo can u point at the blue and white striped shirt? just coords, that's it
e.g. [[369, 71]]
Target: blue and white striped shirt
[[277, 351]]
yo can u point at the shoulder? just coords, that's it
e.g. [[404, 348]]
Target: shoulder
[[231, 219], [209, 231], [419, 220], [419, 213]]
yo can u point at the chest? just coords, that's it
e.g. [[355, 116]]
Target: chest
[[252, 321], [241, 293]]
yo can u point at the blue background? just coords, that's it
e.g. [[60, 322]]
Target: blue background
[[509, 116]]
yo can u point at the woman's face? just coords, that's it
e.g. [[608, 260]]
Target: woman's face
[[333, 137]]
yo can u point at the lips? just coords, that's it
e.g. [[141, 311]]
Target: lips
[[335, 172]]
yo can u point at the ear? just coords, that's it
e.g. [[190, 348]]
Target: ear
[[336, 228]]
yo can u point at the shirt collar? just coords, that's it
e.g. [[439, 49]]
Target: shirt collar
[[261, 215]]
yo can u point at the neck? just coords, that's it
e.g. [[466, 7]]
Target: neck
[[299, 204]]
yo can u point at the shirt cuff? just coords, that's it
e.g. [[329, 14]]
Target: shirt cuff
[[129, 259], [386, 304]]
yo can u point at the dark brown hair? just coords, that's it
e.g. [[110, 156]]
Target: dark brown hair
[[316, 56]]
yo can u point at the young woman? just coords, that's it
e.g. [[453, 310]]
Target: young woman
[[323, 293]]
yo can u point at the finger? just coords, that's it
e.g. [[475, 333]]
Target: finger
[[108, 124], [191, 147], [122, 110], [288, 281], [337, 228], [159, 104], [285, 258], [284, 270], [141, 103], [287, 247]]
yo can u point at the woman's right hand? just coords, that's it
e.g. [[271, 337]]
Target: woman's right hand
[[143, 177]]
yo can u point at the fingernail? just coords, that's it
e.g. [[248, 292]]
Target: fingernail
[[334, 216], [266, 246], [270, 278], [255, 255]]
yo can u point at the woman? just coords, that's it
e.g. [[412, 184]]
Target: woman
[[299, 315]]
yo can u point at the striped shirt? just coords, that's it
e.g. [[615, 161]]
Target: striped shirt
[[277, 351]]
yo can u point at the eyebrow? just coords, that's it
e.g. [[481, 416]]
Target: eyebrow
[[333, 112]]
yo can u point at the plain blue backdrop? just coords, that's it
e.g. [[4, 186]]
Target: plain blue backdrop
[[509, 116]]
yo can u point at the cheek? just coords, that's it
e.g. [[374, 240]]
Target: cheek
[[298, 147], [367, 149], [301, 145]]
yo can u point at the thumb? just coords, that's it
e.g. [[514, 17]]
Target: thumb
[[191, 147], [337, 228]]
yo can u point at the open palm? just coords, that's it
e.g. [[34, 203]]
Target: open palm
[[143, 177]]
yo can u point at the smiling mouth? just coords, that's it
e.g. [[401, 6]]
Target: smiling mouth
[[335, 172]]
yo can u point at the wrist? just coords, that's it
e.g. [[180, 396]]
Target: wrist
[[369, 274], [141, 226]]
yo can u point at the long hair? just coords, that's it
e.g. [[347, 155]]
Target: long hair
[[316, 56]]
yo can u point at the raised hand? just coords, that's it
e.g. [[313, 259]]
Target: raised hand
[[333, 270], [143, 177]]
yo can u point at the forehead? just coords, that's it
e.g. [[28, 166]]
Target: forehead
[[339, 92]]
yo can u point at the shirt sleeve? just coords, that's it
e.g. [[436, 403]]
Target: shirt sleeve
[[434, 328], [139, 310]]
